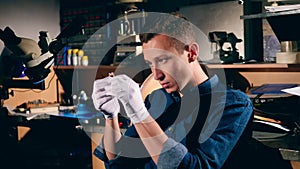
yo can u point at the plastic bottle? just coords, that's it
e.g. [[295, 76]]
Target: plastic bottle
[[80, 55], [69, 57], [83, 106], [85, 60], [75, 57]]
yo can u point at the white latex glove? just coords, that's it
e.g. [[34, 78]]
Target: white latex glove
[[128, 92], [107, 104]]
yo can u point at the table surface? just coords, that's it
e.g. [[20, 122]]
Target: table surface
[[288, 143]]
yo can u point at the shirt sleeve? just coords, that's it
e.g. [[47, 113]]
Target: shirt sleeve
[[130, 152], [127, 146], [172, 154]]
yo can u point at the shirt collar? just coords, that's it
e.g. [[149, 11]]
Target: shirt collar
[[202, 88], [206, 85]]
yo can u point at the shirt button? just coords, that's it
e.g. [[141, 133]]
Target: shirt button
[[170, 129]]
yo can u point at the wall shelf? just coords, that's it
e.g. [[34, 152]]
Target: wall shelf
[[258, 67], [270, 14], [282, 23], [93, 67]]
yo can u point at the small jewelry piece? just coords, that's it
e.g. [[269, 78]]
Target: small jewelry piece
[[111, 74]]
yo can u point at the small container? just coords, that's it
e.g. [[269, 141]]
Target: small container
[[289, 46], [80, 55], [75, 57], [69, 57], [85, 61]]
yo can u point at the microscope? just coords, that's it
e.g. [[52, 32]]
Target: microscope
[[226, 54], [25, 57]]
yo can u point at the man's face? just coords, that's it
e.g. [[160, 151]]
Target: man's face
[[169, 67]]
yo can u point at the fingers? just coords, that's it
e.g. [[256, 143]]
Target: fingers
[[110, 107], [100, 84], [121, 87], [100, 100], [123, 82], [109, 91], [99, 94]]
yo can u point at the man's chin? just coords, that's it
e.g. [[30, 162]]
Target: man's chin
[[170, 90]]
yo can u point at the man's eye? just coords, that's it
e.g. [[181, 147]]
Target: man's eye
[[149, 64], [162, 60]]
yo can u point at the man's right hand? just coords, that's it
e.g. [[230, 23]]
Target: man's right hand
[[108, 105]]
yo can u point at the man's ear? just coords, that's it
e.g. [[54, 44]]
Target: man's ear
[[193, 52]]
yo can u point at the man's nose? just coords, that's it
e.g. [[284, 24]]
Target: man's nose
[[157, 73]]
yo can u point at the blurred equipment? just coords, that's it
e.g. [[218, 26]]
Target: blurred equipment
[[24, 57], [131, 4], [37, 59], [276, 2], [289, 52], [272, 103], [127, 48], [225, 47], [75, 27]]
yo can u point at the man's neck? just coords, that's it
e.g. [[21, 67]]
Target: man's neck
[[199, 76]]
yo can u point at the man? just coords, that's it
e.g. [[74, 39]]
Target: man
[[193, 121]]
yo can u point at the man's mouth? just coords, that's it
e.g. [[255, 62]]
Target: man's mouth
[[165, 85]]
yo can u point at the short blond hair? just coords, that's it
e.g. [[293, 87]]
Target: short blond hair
[[173, 25]]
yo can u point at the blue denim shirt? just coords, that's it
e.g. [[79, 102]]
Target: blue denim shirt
[[203, 127]]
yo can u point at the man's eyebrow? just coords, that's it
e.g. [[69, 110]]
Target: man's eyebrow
[[147, 61]]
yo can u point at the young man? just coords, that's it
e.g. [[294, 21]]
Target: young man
[[193, 121]]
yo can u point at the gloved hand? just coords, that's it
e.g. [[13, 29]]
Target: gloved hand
[[107, 104], [129, 94], [8, 37]]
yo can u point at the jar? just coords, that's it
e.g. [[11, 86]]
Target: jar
[[85, 60]]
